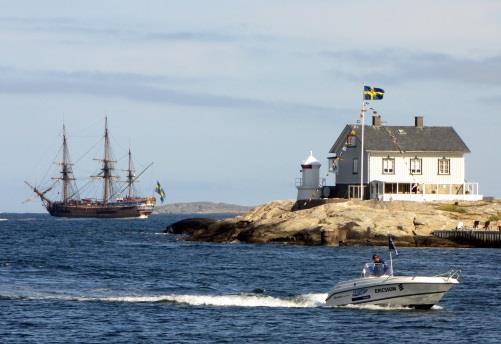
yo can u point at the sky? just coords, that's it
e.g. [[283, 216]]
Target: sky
[[228, 97]]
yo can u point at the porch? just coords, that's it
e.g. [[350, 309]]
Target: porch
[[422, 192]]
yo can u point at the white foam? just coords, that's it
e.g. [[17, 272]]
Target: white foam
[[238, 300], [229, 300], [3, 219]]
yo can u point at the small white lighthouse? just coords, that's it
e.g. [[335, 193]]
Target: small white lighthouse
[[308, 187]]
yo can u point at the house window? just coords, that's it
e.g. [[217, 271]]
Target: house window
[[388, 166], [355, 165], [351, 141], [444, 166], [416, 165], [390, 188]]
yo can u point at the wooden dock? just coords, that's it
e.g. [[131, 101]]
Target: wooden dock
[[477, 238]]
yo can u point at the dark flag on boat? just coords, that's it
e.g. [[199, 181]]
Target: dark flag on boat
[[373, 93], [391, 245], [160, 191]]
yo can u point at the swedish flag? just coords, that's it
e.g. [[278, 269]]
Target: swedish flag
[[373, 93], [160, 191]]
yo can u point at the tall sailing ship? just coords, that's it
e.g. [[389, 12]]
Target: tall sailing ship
[[116, 202]]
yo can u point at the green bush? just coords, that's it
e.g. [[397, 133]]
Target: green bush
[[495, 217], [452, 208]]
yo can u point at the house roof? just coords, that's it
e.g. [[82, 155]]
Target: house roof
[[406, 139]]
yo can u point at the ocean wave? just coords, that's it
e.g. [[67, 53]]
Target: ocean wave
[[28, 219]]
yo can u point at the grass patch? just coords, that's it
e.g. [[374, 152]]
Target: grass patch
[[495, 217], [452, 208]]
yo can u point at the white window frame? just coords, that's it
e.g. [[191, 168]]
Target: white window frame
[[387, 163], [444, 166], [416, 166]]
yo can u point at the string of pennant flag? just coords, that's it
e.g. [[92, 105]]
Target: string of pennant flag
[[369, 93]]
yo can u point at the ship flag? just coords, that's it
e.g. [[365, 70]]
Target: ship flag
[[391, 245], [160, 191], [373, 93]]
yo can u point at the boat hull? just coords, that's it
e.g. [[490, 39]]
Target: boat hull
[[416, 292], [100, 211]]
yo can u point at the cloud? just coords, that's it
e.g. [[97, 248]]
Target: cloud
[[60, 25], [395, 65], [141, 88], [492, 101]]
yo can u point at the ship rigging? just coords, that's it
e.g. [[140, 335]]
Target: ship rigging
[[112, 204]]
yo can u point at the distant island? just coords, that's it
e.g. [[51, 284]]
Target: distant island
[[201, 208]]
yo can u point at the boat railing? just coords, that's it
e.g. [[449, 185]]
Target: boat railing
[[452, 273], [376, 270]]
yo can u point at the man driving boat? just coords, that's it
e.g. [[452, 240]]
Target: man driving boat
[[380, 268]]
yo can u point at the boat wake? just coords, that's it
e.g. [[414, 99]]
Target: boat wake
[[226, 300], [229, 300]]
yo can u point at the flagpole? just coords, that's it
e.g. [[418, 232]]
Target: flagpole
[[389, 251], [362, 150], [391, 264]]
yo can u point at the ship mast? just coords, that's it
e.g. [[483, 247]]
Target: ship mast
[[107, 164], [66, 172], [130, 177]]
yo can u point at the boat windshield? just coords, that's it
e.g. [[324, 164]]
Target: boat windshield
[[376, 270]]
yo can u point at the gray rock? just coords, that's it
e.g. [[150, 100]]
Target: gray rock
[[189, 226]]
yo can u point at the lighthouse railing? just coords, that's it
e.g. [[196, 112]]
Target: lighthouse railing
[[322, 182]]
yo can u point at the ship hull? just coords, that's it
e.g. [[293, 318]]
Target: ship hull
[[100, 211]]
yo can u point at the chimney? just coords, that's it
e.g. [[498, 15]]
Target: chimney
[[376, 121], [419, 122]]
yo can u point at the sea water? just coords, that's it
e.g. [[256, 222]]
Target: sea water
[[115, 281]]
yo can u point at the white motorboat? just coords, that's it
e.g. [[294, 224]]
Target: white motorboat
[[407, 291], [378, 286]]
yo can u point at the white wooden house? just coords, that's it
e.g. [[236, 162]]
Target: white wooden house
[[409, 163]]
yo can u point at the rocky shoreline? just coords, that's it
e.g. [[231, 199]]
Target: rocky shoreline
[[340, 222]]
